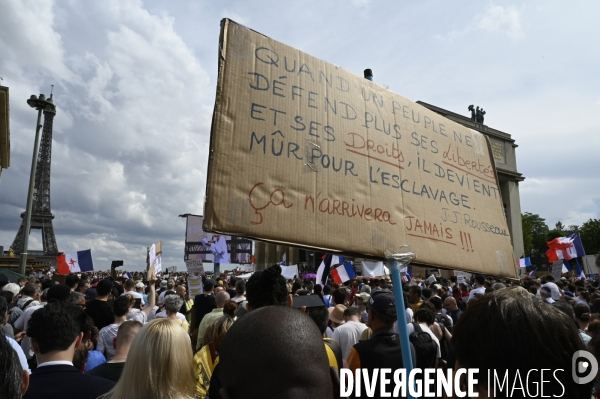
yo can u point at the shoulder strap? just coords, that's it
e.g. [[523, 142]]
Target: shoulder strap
[[26, 304], [417, 327], [337, 350]]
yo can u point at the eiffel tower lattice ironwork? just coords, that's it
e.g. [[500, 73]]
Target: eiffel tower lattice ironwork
[[41, 214]]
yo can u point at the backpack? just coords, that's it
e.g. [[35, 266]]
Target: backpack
[[425, 347], [445, 320], [337, 351]]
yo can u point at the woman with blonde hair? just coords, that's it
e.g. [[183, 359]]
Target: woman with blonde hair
[[206, 359], [159, 365]]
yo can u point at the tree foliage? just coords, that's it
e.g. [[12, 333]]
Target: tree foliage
[[590, 236], [535, 233]]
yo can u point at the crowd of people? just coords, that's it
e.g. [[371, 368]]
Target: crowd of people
[[96, 336]]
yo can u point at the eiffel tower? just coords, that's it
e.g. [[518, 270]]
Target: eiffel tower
[[41, 215]]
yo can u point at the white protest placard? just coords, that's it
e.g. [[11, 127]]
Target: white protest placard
[[289, 272], [372, 269], [557, 269], [195, 270]]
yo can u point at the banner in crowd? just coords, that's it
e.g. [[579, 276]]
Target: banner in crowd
[[306, 153], [195, 270], [289, 272]]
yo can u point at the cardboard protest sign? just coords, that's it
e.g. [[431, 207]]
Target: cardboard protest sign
[[305, 153]]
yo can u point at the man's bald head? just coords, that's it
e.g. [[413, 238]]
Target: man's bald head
[[221, 298], [450, 304], [279, 369]]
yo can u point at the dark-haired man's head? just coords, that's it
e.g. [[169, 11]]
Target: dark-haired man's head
[[437, 303], [414, 293], [277, 372], [320, 315], [267, 288], [59, 293], [208, 286], [479, 280], [71, 281], [55, 330], [426, 293], [494, 324], [240, 287], [121, 305], [339, 296], [425, 315], [352, 314]]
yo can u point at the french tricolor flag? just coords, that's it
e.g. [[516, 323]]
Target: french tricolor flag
[[524, 262], [343, 273], [75, 262], [323, 271], [531, 273]]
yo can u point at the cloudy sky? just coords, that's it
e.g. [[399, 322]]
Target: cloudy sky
[[135, 85]]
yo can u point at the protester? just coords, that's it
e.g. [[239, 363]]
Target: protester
[[173, 304], [30, 296], [98, 308], [383, 349], [240, 290], [271, 373], [220, 298], [55, 332], [479, 287], [130, 290], [205, 358], [14, 381], [17, 348], [165, 371], [121, 306], [348, 334], [203, 304], [496, 325], [414, 298], [141, 315], [336, 319], [121, 344]]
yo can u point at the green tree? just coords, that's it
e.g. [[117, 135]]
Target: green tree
[[559, 226], [527, 234], [537, 228], [590, 236]]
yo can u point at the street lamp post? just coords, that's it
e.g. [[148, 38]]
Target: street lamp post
[[39, 104]]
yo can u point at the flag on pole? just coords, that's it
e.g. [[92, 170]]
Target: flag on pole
[[127, 275], [406, 274], [577, 245], [325, 267], [343, 273], [75, 262], [579, 269], [524, 262], [283, 259], [566, 268], [531, 273]]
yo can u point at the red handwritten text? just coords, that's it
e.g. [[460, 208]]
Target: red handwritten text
[[345, 208], [276, 198]]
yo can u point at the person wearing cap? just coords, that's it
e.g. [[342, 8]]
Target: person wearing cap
[[383, 349], [479, 287], [546, 294], [130, 290], [336, 318], [361, 300], [139, 288], [349, 333], [98, 308]]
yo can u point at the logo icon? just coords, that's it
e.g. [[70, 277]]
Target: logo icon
[[584, 367]]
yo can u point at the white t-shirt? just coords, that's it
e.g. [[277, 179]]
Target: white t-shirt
[[426, 329], [554, 289], [135, 295], [20, 353], [476, 292], [238, 300], [163, 315], [137, 315], [105, 341], [348, 335], [409, 316], [22, 323]]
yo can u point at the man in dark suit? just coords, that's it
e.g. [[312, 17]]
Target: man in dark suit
[[55, 332]]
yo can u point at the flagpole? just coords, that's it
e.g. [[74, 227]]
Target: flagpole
[[394, 267]]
